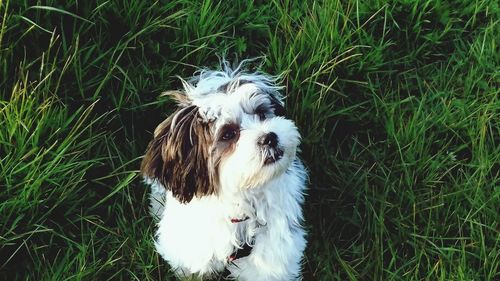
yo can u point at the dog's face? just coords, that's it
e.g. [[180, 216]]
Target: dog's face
[[229, 133]]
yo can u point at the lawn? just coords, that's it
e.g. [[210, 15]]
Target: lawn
[[397, 102]]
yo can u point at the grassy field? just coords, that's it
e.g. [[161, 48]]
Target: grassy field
[[397, 102]]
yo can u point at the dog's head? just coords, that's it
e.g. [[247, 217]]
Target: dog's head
[[229, 132]]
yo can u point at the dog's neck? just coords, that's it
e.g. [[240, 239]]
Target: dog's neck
[[261, 205]]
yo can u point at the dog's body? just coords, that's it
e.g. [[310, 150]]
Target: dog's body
[[225, 178]]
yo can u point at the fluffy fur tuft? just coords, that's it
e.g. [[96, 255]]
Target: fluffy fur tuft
[[224, 173]]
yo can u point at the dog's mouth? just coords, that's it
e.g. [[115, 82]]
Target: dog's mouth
[[272, 155]]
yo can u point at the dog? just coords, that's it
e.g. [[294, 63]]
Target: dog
[[226, 183]]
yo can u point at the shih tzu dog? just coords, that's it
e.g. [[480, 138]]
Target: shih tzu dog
[[226, 183]]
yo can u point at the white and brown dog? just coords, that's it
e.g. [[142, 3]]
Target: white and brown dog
[[226, 183]]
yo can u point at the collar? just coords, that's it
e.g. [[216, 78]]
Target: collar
[[237, 220]]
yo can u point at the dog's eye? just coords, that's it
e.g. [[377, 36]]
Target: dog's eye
[[262, 116], [261, 113], [229, 134]]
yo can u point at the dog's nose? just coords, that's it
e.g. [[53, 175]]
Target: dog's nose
[[270, 139]]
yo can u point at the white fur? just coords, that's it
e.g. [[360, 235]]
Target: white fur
[[198, 237]]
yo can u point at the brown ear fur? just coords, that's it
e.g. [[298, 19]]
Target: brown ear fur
[[178, 155]]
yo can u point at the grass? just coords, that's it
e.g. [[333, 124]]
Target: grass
[[397, 102]]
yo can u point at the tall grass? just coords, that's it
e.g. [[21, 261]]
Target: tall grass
[[397, 102]]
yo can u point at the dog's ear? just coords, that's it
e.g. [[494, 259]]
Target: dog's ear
[[178, 155], [277, 105]]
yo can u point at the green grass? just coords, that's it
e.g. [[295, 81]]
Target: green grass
[[397, 102]]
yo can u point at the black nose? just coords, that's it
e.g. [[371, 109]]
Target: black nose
[[270, 139]]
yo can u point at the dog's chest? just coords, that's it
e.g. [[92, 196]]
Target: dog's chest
[[208, 227]]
